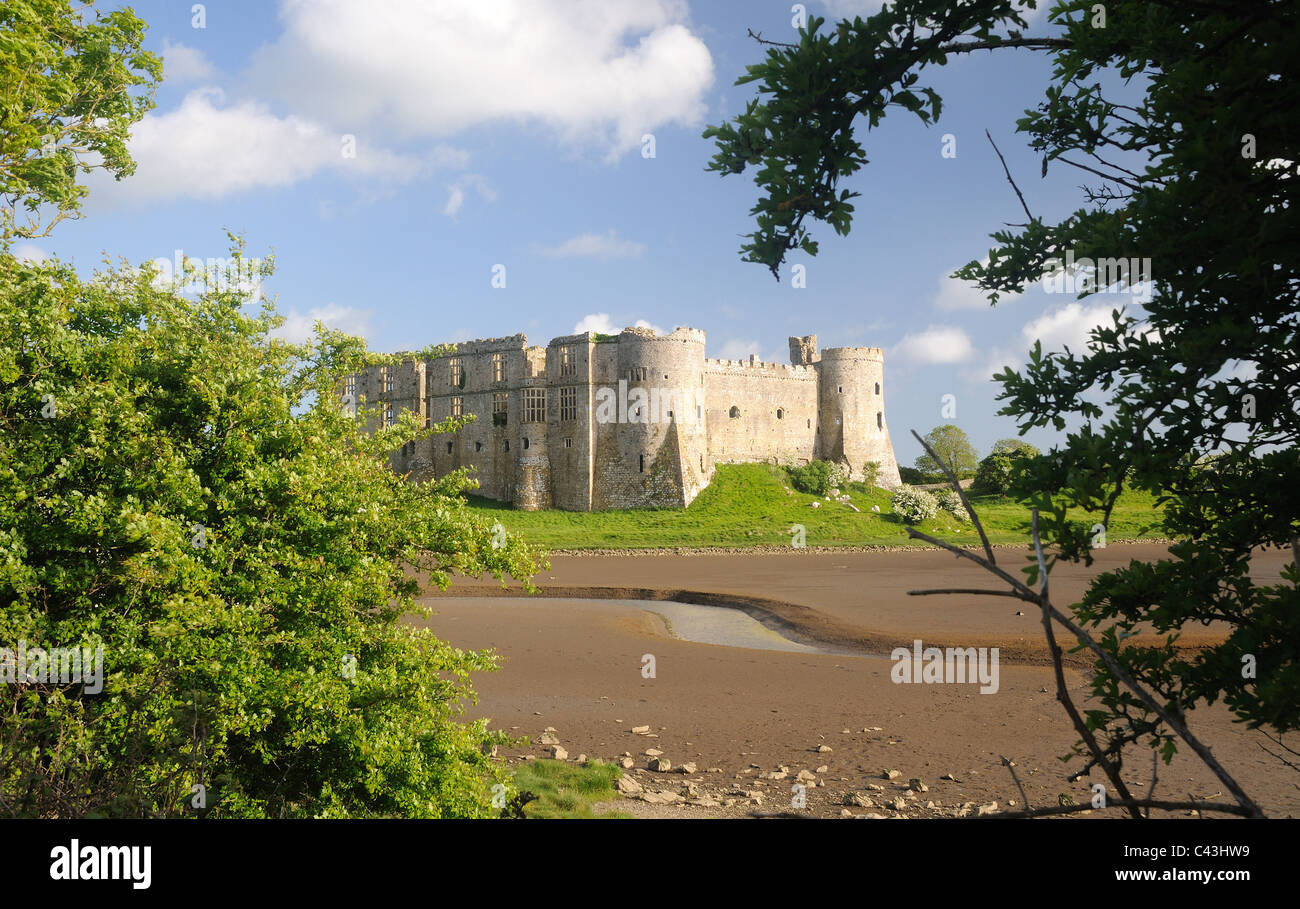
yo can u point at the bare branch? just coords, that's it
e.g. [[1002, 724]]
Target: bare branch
[[952, 480], [1007, 171]]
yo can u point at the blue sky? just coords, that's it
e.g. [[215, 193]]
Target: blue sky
[[509, 133]]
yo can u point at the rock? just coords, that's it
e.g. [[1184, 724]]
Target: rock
[[640, 730], [890, 775], [626, 763], [986, 809], [628, 786], [917, 786], [874, 788], [661, 798], [705, 802], [688, 767], [949, 777], [823, 768], [582, 759], [898, 804], [853, 507], [757, 798], [806, 775], [660, 765], [844, 732], [773, 775], [548, 739], [550, 729], [823, 749], [652, 752], [558, 752], [858, 799], [876, 509], [715, 770], [530, 757], [690, 790], [814, 504], [844, 812]]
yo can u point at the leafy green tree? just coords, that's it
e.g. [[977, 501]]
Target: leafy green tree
[[1015, 447], [1193, 168], [993, 475], [952, 445], [72, 83], [186, 492]]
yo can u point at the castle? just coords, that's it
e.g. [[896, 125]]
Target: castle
[[636, 420]]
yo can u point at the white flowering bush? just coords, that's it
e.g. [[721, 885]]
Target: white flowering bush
[[914, 505], [950, 502]]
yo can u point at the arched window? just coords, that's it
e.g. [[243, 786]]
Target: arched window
[[880, 420], [734, 412], [877, 388]]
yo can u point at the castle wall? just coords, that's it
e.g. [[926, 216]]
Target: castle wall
[[851, 405], [777, 411]]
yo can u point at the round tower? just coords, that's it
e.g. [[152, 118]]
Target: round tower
[[660, 433], [851, 412]]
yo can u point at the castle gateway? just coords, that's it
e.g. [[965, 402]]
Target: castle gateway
[[635, 421]]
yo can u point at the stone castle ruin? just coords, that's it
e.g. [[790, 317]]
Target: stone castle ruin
[[639, 420]]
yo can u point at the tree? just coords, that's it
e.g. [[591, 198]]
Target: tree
[[187, 493], [70, 90], [954, 447], [994, 474], [1015, 447], [1195, 170]]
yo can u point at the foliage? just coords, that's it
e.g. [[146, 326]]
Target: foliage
[[185, 490], [993, 475], [817, 477], [914, 505], [950, 502], [1192, 166], [913, 477], [871, 474], [1015, 448], [953, 446], [70, 90]]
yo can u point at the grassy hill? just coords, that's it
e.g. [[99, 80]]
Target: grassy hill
[[754, 504]]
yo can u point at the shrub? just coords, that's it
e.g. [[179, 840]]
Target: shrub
[[817, 478], [914, 505], [993, 475], [871, 474], [950, 502]]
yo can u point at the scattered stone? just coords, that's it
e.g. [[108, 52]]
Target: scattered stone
[[530, 757], [653, 752], [814, 504], [661, 798], [844, 732], [950, 778], [705, 802], [858, 799], [853, 507], [987, 809], [874, 788], [844, 812], [917, 786], [626, 763], [715, 770], [876, 509], [582, 759], [628, 786], [773, 775], [898, 804], [890, 775], [823, 768], [548, 739], [824, 749], [558, 752], [660, 765], [640, 730], [805, 775], [688, 767], [550, 729]]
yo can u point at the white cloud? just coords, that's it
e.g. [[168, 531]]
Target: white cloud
[[598, 246], [1067, 326], [603, 71], [601, 323], [299, 327], [205, 151], [937, 344], [740, 349], [456, 193], [185, 64], [29, 252]]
